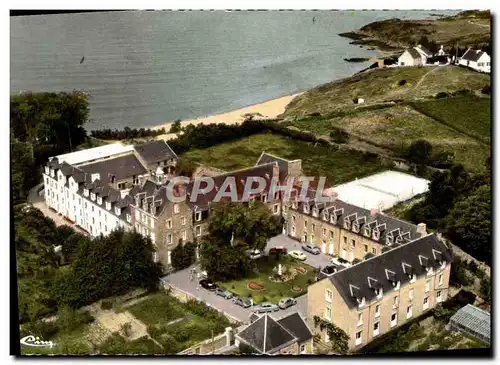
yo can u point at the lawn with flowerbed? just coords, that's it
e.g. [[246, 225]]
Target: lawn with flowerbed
[[264, 285]]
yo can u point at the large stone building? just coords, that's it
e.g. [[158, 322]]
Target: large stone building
[[90, 188], [381, 293]]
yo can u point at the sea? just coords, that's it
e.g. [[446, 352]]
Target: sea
[[146, 68]]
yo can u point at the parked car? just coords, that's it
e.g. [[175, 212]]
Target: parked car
[[297, 255], [253, 254], [226, 294], [208, 284], [286, 302], [311, 248], [277, 250], [243, 302], [340, 262], [266, 307]]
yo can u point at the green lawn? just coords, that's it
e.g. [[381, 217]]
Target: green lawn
[[158, 308], [272, 292], [337, 166], [468, 114], [175, 325]]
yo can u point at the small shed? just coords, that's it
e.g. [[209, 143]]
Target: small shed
[[472, 321]]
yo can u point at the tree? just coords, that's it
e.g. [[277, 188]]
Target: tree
[[233, 228], [106, 266], [419, 152], [485, 289], [175, 127], [34, 238], [469, 223], [338, 339], [50, 118], [23, 170], [185, 167]]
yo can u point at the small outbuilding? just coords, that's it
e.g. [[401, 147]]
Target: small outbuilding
[[472, 321]]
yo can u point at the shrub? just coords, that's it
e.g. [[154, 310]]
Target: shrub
[[485, 289], [69, 319], [44, 330], [181, 334], [338, 135], [106, 304], [486, 90], [402, 82], [175, 127], [126, 329], [441, 95]]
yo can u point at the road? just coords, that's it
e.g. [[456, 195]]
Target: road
[[181, 280]]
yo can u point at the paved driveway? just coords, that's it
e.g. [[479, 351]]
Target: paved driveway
[[181, 280], [317, 261]]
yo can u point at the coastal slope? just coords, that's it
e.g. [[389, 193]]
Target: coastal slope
[[468, 28]]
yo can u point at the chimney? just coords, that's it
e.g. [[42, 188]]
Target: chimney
[[422, 229]]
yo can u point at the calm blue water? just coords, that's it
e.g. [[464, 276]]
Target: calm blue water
[[146, 68]]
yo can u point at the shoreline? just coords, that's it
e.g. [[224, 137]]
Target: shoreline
[[268, 109]]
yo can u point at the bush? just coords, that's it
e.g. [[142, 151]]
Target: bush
[[486, 90], [126, 133], [175, 127], [44, 330], [441, 95], [338, 135], [106, 304], [69, 319], [485, 289], [402, 82]]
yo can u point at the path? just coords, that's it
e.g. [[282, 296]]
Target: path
[[38, 202], [425, 75]]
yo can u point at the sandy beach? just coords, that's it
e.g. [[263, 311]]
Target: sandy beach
[[268, 109]]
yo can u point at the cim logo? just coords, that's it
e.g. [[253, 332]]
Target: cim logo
[[33, 341]]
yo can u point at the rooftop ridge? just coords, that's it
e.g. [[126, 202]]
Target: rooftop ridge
[[382, 254]]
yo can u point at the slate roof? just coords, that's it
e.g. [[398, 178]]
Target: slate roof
[[414, 53], [156, 151], [389, 265], [266, 158], [296, 325], [474, 319], [363, 217], [472, 55], [240, 177], [266, 335], [121, 167], [425, 50]]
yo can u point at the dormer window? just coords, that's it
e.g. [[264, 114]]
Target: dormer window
[[294, 205], [315, 212], [429, 270], [108, 205], [355, 227], [379, 293], [389, 239], [333, 218], [346, 223], [399, 239], [367, 231], [413, 278], [129, 218], [325, 216], [361, 302], [99, 200], [376, 234], [306, 208], [92, 196], [47, 170], [443, 264], [424, 261], [397, 285], [86, 192], [391, 276], [117, 210]]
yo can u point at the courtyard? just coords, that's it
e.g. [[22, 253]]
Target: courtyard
[[265, 283]]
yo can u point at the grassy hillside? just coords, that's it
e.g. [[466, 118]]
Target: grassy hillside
[[470, 28], [467, 114], [382, 85], [459, 124], [337, 166]]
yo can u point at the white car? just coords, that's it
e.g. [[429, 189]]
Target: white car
[[298, 255], [254, 254]]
